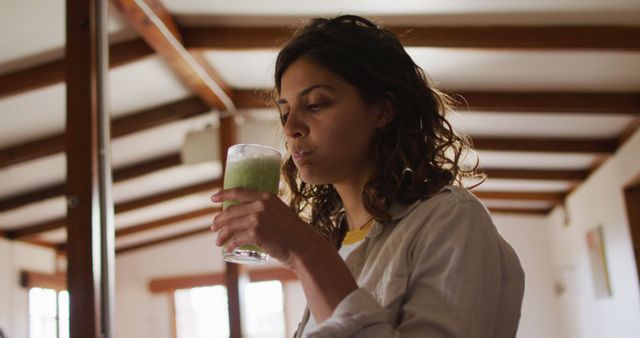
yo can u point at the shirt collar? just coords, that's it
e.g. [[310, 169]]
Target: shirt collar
[[397, 211]]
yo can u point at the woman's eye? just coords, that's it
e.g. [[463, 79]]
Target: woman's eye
[[314, 107]]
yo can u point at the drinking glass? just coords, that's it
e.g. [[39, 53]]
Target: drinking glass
[[256, 167]]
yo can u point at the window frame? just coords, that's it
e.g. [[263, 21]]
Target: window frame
[[169, 285]]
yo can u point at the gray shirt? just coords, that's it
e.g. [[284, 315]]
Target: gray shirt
[[439, 268]]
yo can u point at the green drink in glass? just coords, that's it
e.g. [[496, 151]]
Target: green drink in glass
[[251, 166]]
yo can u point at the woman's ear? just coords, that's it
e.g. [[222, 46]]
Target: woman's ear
[[385, 113]]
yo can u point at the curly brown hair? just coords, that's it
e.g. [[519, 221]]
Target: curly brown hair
[[416, 154]]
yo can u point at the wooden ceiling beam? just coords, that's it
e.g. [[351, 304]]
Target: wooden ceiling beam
[[510, 102], [121, 126], [161, 240], [34, 229], [52, 72], [209, 185], [520, 211], [536, 174], [550, 102], [154, 23], [119, 175], [546, 145], [134, 229], [619, 38], [235, 38], [555, 197]]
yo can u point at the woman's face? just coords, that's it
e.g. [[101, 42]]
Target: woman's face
[[328, 126]]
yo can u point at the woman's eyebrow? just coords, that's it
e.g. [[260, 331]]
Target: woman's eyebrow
[[305, 92]]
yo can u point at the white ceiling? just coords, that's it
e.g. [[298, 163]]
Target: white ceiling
[[591, 11], [468, 69]]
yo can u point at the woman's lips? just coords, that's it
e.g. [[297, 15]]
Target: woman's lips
[[301, 155]]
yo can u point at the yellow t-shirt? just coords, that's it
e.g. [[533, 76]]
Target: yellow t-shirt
[[355, 236]]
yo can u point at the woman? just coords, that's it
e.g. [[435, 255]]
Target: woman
[[374, 170]]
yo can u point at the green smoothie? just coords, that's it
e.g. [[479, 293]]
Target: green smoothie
[[254, 172], [258, 173]]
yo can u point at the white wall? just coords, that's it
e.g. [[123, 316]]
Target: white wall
[[528, 235], [14, 300], [599, 201]]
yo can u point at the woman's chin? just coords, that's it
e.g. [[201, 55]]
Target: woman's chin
[[309, 176]]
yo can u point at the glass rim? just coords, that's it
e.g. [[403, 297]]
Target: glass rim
[[255, 145]]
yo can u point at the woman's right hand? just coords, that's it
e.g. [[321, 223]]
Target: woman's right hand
[[262, 219]]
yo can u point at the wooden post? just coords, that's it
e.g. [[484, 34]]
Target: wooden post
[[89, 208], [233, 271]]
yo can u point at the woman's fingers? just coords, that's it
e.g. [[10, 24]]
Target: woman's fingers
[[235, 211], [236, 225], [239, 239], [239, 195]]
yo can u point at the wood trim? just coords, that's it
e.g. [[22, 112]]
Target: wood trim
[[557, 197], [31, 230], [165, 239], [171, 284], [119, 175], [576, 37], [154, 23], [539, 174], [34, 279], [279, 274], [122, 126], [165, 221], [511, 102], [51, 73], [546, 145]]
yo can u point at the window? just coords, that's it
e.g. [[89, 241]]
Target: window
[[48, 313], [263, 310], [201, 312]]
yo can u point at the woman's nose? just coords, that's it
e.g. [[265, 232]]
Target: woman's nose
[[294, 127]]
